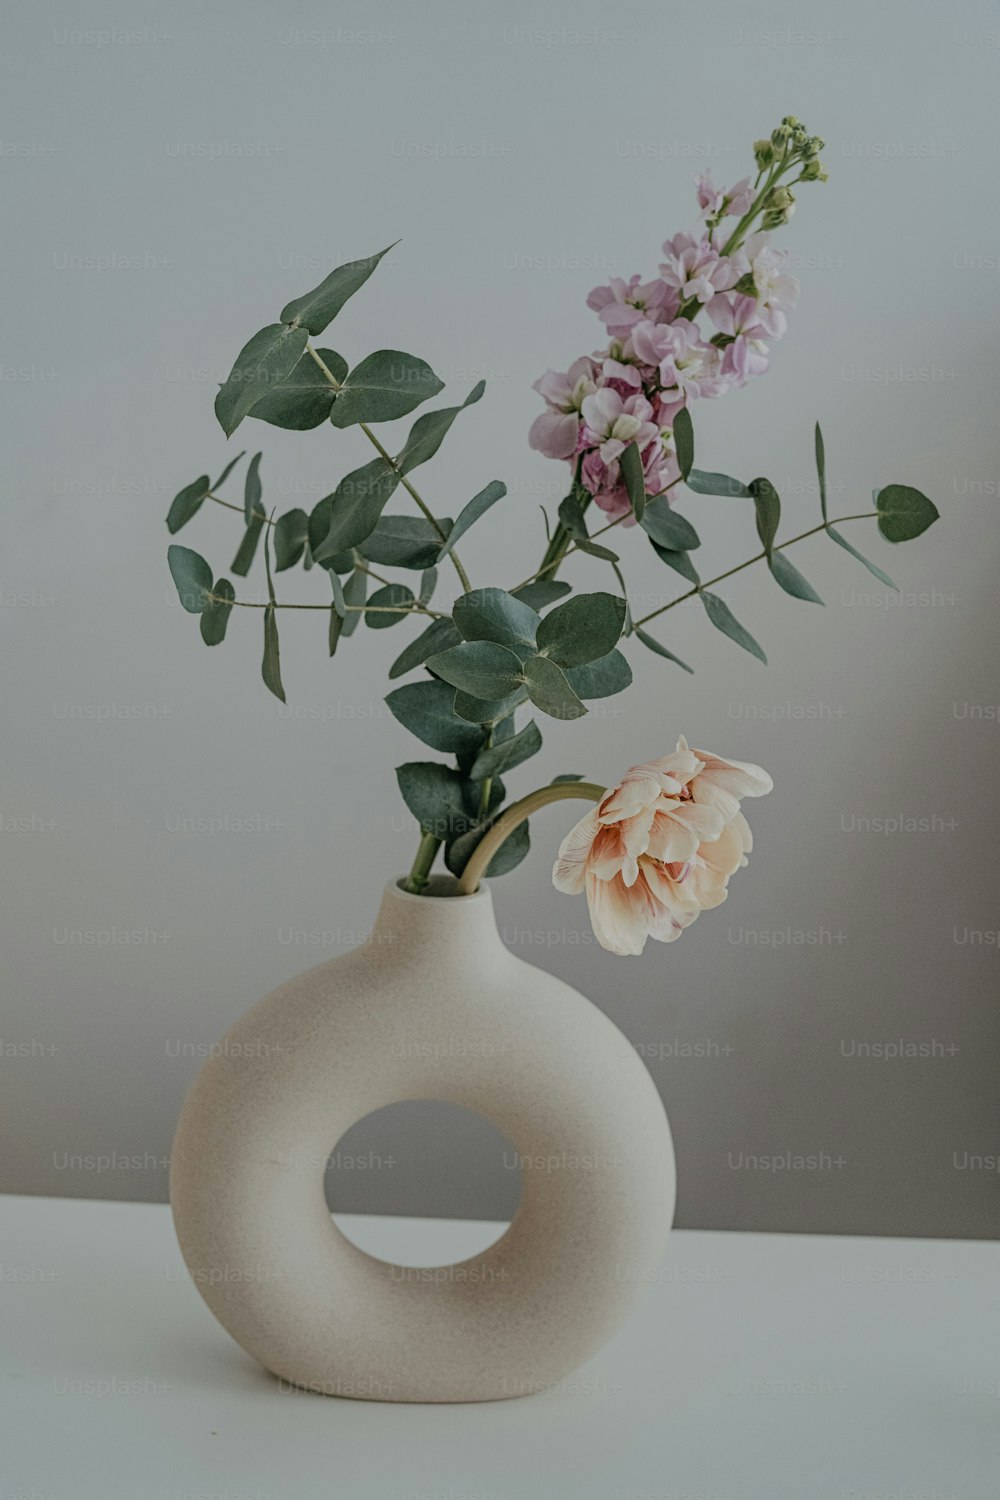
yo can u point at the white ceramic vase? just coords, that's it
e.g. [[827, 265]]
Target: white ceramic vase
[[432, 1006]]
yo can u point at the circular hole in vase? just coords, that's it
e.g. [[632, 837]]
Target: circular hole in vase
[[423, 1183]]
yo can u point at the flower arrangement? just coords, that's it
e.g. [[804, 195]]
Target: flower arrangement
[[661, 846]]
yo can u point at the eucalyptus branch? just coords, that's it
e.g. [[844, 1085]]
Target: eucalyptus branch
[[710, 583], [376, 609], [384, 453]]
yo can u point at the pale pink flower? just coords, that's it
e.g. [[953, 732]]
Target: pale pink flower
[[611, 422], [696, 268], [660, 847], [716, 203], [739, 318], [777, 290], [622, 303], [554, 433]]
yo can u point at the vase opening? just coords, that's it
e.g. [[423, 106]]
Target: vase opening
[[447, 1169], [440, 888]]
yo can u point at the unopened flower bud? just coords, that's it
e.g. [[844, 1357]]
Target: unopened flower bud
[[779, 138], [779, 198], [812, 171], [790, 121], [813, 146], [762, 153]]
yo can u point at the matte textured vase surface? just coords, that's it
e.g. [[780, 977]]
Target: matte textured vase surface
[[432, 1006]]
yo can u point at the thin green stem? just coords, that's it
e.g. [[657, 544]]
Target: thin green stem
[[504, 826], [377, 609], [384, 453], [421, 867], [230, 506], [838, 521]]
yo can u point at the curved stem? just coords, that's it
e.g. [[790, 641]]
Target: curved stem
[[504, 826], [384, 453], [839, 521]]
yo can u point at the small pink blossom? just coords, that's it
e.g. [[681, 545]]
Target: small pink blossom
[[777, 290], [739, 318], [697, 269], [716, 203], [622, 303], [611, 422], [555, 432]]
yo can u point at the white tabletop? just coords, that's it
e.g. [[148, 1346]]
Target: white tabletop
[[759, 1367]]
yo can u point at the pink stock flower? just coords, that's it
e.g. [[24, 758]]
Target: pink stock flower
[[613, 422], [696, 268], [660, 847], [554, 433], [623, 303], [718, 203], [740, 319], [777, 290]]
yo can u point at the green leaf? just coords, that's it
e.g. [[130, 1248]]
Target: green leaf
[[192, 577], [261, 364], [304, 399], [320, 306], [821, 471], [684, 441], [252, 491], [336, 629], [634, 479], [549, 689], [291, 533], [477, 506], [508, 856], [480, 667], [568, 776], [427, 709], [270, 667], [248, 547], [429, 432], [510, 753], [791, 580], [494, 615], [386, 385], [571, 515], [404, 542], [215, 617], [355, 507], [583, 629], [186, 503], [440, 635], [679, 561], [704, 483], [355, 590], [394, 595], [660, 649], [600, 679], [723, 619], [768, 506], [492, 711], [903, 512], [428, 583], [542, 592], [875, 572], [668, 529], [435, 796], [230, 466], [339, 602]]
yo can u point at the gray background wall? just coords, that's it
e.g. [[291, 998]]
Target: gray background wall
[[225, 158]]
